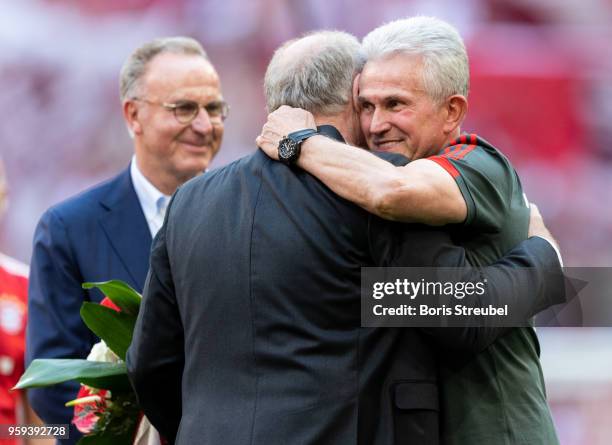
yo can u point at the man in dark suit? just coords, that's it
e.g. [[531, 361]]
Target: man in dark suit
[[249, 330], [105, 233]]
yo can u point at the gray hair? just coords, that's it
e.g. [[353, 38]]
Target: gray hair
[[445, 61], [136, 64], [314, 72]]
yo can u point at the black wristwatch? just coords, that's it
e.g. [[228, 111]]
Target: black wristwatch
[[289, 147]]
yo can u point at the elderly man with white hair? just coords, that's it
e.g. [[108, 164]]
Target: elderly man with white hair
[[411, 99]]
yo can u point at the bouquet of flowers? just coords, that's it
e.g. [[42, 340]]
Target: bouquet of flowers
[[106, 410]]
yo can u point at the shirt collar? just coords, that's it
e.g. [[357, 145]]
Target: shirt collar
[[148, 195], [331, 132]]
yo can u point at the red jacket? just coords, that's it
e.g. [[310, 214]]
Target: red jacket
[[13, 315]]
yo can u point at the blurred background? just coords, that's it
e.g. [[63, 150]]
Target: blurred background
[[541, 91]]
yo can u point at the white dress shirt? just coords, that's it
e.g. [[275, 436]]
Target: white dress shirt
[[152, 201]]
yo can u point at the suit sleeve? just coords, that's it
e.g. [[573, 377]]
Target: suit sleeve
[[55, 328], [155, 359], [528, 278]]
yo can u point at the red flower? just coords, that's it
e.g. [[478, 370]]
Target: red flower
[[86, 414]]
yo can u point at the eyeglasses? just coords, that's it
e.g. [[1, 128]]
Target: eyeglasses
[[185, 111]]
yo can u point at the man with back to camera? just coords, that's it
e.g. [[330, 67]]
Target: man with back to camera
[[174, 110], [412, 99], [251, 310]]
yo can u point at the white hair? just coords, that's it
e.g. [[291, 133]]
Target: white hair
[[441, 48], [135, 66], [314, 72]]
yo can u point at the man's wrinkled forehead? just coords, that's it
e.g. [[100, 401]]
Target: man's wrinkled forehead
[[172, 70], [397, 76]]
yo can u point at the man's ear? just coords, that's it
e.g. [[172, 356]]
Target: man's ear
[[356, 93], [130, 114], [456, 110]]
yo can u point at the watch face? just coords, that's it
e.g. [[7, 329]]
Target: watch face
[[287, 148]]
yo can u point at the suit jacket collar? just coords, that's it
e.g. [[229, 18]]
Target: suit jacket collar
[[331, 132], [149, 197], [126, 228]]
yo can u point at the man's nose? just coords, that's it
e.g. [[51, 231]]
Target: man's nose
[[380, 122], [202, 123]]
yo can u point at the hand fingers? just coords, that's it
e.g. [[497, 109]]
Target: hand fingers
[[286, 112], [270, 132], [264, 142], [268, 145]]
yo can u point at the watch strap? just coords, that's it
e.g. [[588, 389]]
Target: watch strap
[[301, 135]]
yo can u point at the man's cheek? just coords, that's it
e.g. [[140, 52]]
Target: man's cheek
[[361, 140], [365, 121]]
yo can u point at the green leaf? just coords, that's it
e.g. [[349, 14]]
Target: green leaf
[[51, 371], [120, 293], [115, 328]]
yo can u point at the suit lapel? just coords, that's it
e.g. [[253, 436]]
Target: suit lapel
[[126, 227]]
